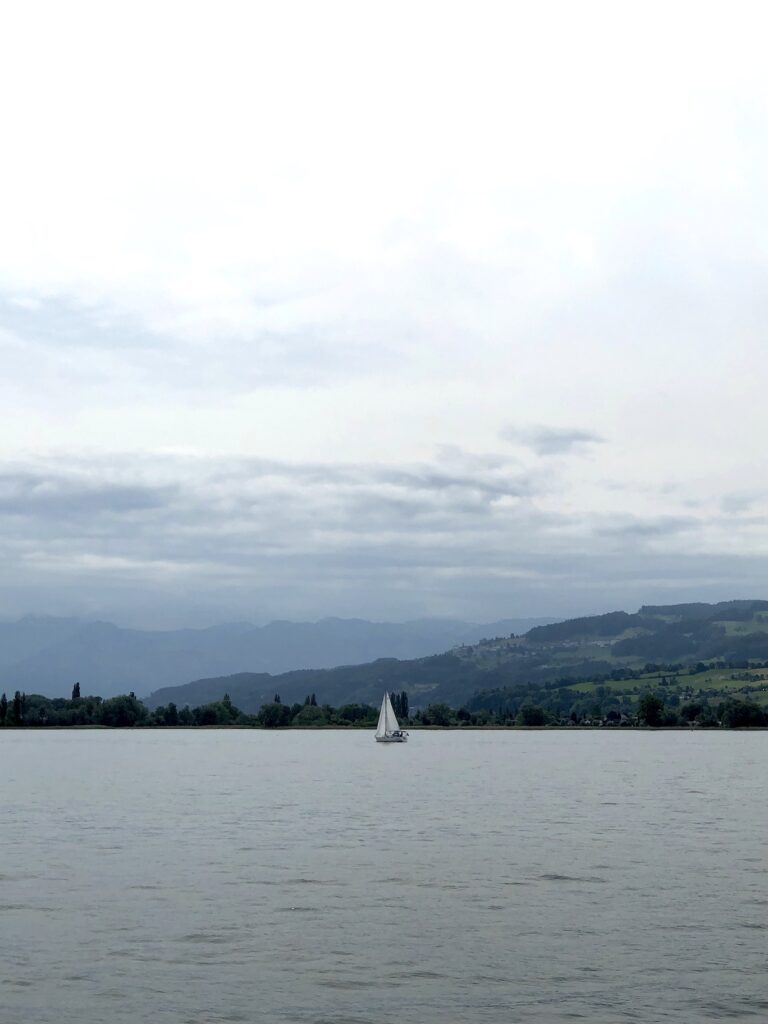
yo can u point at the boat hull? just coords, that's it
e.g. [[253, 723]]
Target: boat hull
[[391, 739]]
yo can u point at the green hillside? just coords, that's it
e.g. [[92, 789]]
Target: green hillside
[[622, 653]]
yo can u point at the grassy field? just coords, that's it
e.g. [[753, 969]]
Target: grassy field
[[756, 625], [714, 683]]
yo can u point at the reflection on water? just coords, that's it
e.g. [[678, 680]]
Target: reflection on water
[[191, 876]]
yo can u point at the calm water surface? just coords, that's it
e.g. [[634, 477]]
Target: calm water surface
[[211, 876]]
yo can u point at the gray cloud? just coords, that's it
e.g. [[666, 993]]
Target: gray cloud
[[51, 494], [550, 440], [629, 527], [739, 502]]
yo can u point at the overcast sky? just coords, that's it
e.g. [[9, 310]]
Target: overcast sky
[[385, 310]]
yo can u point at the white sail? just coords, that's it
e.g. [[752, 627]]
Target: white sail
[[387, 720], [392, 725], [381, 728]]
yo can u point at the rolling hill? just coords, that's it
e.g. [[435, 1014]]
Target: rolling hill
[[589, 648]]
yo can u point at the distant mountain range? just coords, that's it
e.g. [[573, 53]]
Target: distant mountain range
[[48, 655], [594, 646]]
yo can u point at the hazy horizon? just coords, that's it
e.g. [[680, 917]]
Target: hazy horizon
[[177, 619], [152, 624]]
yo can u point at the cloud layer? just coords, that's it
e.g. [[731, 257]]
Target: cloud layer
[[438, 310], [167, 538]]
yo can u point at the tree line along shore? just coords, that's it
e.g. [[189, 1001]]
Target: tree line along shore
[[127, 711]]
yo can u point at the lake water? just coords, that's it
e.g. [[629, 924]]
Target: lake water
[[211, 876]]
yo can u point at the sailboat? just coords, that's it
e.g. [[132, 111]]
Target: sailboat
[[388, 730]]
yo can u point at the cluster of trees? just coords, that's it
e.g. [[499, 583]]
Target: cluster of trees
[[117, 712], [34, 710], [731, 713], [651, 709], [277, 715], [400, 705]]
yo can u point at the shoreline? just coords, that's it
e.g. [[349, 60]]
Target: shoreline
[[348, 728]]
